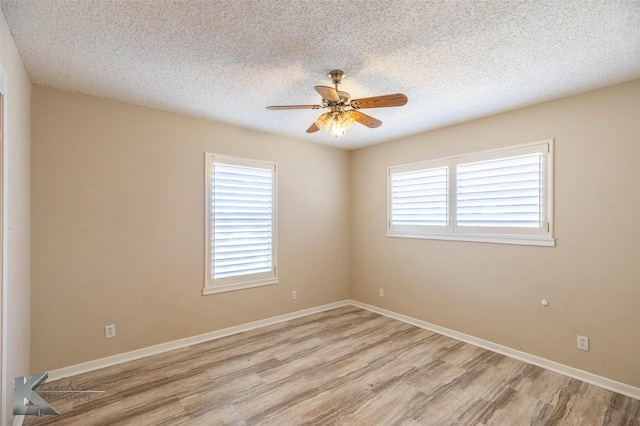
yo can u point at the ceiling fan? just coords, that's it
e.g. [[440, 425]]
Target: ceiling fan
[[338, 120]]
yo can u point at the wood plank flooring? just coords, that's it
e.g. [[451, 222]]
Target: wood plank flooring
[[347, 366]]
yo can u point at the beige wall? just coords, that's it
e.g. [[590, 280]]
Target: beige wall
[[493, 291], [117, 199], [118, 227], [17, 216]]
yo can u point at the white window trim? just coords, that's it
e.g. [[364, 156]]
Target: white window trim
[[212, 286], [539, 237]]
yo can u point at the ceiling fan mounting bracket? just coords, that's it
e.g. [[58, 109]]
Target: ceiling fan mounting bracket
[[336, 76]]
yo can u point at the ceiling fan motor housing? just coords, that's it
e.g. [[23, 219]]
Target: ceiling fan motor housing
[[344, 97]]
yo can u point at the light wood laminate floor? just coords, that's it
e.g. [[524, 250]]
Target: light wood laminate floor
[[346, 366]]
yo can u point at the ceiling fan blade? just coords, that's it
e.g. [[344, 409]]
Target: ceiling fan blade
[[294, 107], [364, 119], [313, 128], [328, 93], [397, 99]]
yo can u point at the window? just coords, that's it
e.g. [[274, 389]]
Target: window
[[240, 223], [501, 196], [420, 198]]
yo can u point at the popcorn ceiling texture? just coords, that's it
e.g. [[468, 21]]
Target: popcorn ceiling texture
[[228, 60]]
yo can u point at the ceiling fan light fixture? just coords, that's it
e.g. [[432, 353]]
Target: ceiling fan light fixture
[[340, 123]]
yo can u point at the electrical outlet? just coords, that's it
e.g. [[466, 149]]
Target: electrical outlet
[[381, 292], [583, 343], [294, 295], [109, 331]]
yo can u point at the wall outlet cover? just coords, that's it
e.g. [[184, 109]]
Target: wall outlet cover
[[583, 343], [109, 331]]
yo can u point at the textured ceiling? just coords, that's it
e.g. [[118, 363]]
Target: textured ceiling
[[228, 60]]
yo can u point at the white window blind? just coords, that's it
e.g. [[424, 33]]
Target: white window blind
[[501, 192], [502, 196], [241, 224], [419, 197], [242, 217]]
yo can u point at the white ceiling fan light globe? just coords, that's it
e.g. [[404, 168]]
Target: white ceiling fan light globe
[[347, 121], [324, 121]]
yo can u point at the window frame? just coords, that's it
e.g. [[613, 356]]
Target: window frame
[[238, 282], [540, 236]]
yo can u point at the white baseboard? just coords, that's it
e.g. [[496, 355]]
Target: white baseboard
[[177, 344], [585, 376]]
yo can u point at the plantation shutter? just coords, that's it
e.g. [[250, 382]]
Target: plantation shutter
[[504, 192], [242, 216], [419, 197], [501, 196]]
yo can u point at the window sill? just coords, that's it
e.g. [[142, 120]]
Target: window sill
[[518, 240], [239, 286]]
